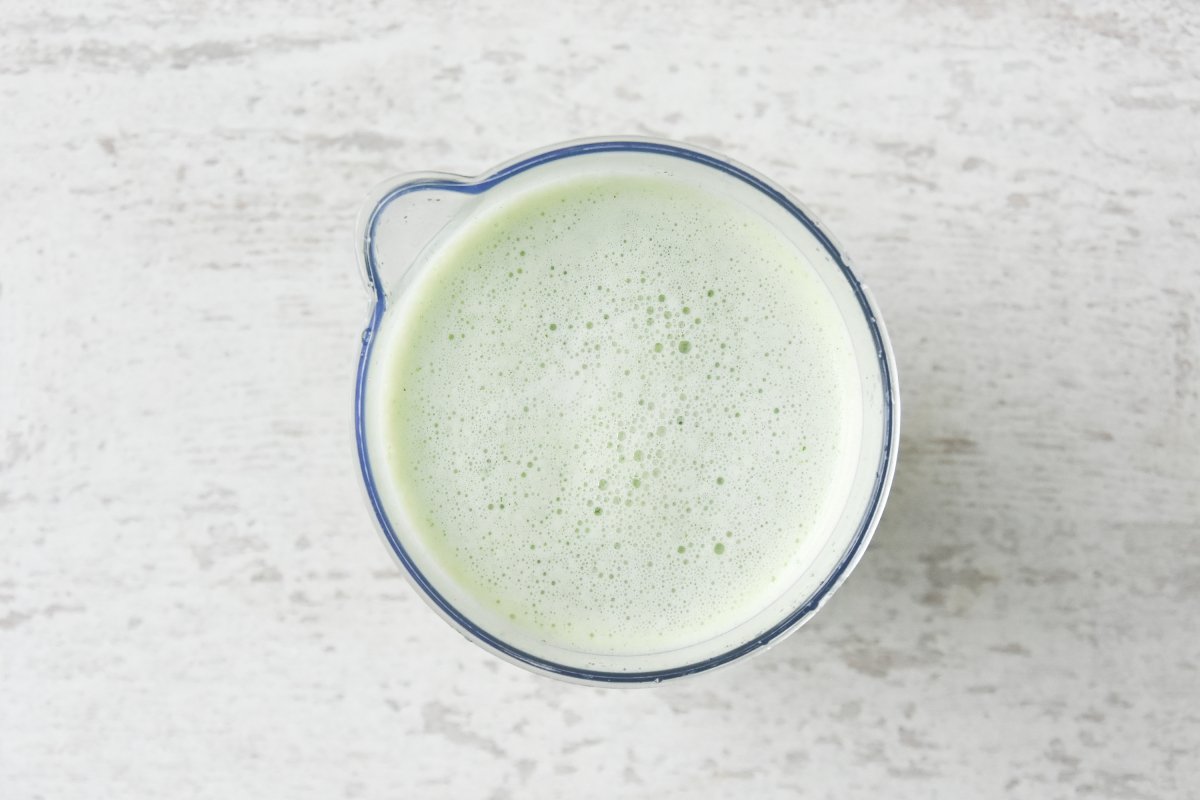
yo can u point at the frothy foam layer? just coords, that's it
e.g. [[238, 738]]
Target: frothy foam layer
[[617, 412]]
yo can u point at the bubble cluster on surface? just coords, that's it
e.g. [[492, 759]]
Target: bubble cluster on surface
[[616, 409]]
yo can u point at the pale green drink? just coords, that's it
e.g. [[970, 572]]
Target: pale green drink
[[618, 413]]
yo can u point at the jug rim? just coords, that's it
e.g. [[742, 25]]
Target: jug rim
[[389, 191]]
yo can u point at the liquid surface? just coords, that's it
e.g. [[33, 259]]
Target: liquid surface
[[616, 412]]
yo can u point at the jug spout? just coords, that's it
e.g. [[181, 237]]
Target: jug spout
[[399, 219]]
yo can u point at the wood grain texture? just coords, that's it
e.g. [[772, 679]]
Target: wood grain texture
[[193, 602]]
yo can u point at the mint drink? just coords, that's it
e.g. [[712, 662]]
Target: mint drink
[[617, 413]]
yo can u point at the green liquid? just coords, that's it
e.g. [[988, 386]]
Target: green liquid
[[616, 410]]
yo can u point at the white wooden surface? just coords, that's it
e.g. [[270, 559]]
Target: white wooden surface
[[193, 601]]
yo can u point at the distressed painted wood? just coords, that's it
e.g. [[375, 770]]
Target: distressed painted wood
[[193, 601]]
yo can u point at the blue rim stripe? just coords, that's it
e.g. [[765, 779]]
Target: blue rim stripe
[[473, 630]]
